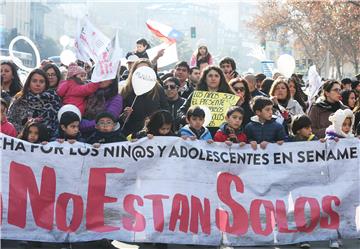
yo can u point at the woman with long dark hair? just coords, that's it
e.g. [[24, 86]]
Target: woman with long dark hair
[[10, 81], [35, 101]]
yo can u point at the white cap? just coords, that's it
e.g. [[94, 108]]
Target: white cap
[[68, 108], [132, 58]]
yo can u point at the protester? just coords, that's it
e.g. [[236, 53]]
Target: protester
[[342, 122], [241, 89], [194, 76], [130, 60], [251, 80], [195, 117], [171, 86], [284, 106], [140, 51], [265, 85], [259, 79], [34, 132], [105, 99], [212, 80], [263, 128], [35, 100], [53, 74], [356, 112], [324, 106], [74, 90], [69, 117], [181, 72], [348, 98], [228, 66], [201, 53], [301, 129], [6, 127], [346, 84], [10, 81], [160, 124], [231, 131], [297, 93], [107, 130], [144, 105]]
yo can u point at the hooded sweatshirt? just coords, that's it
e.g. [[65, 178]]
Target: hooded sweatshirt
[[337, 119]]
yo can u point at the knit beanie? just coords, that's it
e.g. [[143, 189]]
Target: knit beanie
[[105, 115], [337, 119], [68, 108], [74, 70]]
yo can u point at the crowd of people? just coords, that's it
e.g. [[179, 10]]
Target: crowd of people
[[55, 106]]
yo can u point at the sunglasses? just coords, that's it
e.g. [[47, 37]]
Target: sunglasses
[[171, 87], [237, 89]]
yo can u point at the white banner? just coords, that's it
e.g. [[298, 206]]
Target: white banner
[[174, 191], [90, 42]]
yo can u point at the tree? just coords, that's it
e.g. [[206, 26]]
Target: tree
[[322, 27]]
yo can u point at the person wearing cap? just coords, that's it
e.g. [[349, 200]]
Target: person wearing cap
[[107, 130], [69, 117], [201, 53], [131, 59], [73, 90]]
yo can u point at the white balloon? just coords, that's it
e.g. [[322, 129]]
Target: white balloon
[[286, 65], [208, 115], [67, 56], [64, 40], [143, 80], [17, 61]]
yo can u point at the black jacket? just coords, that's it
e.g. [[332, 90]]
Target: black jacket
[[106, 137], [174, 106]]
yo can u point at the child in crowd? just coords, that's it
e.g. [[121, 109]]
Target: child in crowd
[[69, 120], [342, 122], [301, 129], [74, 90], [263, 128], [160, 124], [34, 132], [231, 131], [107, 130], [195, 117], [6, 127]]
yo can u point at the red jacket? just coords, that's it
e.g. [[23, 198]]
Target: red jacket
[[227, 134], [7, 128], [75, 94]]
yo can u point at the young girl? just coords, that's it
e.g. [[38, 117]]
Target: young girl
[[160, 124], [74, 90], [201, 55], [231, 131], [341, 127], [34, 132]]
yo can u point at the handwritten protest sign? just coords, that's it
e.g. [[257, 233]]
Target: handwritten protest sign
[[218, 103], [174, 191]]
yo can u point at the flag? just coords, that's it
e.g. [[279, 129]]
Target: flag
[[170, 54], [164, 32]]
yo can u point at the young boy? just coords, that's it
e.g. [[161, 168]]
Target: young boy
[[231, 132], [301, 129], [195, 117], [69, 117], [263, 128], [107, 130], [6, 127]]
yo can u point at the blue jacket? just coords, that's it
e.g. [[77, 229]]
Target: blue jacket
[[186, 131], [270, 131]]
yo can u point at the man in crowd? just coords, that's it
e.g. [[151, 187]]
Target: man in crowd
[[194, 76], [251, 80], [228, 66], [181, 72]]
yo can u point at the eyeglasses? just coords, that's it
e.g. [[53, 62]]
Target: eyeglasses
[[338, 90], [171, 87], [237, 89], [103, 124], [50, 75]]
